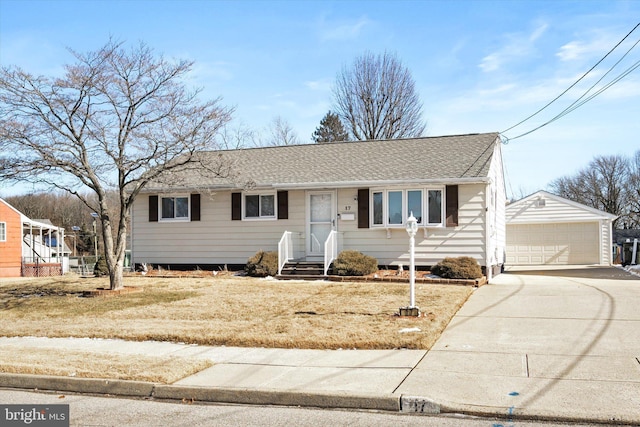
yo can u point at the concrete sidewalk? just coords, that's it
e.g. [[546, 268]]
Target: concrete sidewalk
[[549, 346]]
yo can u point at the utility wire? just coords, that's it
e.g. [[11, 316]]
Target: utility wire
[[575, 83], [574, 106], [578, 103]]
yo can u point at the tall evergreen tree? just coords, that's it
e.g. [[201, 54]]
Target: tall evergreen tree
[[331, 129]]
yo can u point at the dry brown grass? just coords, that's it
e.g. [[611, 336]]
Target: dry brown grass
[[81, 364], [231, 311]]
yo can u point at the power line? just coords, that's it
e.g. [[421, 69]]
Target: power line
[[575, 83], [577, 103]]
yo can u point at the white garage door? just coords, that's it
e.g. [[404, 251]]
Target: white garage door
[[559, 243]]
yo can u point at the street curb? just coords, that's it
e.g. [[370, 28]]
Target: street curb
[[314, 399], [318, 399], [427, 406], [78, 385]]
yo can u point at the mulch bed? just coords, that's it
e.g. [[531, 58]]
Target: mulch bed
[[380, 276]]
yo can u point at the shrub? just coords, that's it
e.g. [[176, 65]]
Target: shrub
[[463, 267], [354, 263], [100, 268], [262, 264]]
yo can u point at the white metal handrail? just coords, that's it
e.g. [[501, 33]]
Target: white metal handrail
[[288, 249], [330, 250], [284, 250]]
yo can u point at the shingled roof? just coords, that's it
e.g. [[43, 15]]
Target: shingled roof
[[455, 159]]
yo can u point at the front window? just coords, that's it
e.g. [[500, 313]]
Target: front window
[[391, 208], [435, 207], [3, 231], [394, 207], [259, 206], [378, 213], [175, 208], [414, 204]]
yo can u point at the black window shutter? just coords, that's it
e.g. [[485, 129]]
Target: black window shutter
[[451, 213], [153, 208], [236, 206], [283, 205], [195, 207], [363, 208]]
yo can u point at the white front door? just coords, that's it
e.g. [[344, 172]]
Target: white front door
[[321, 214]]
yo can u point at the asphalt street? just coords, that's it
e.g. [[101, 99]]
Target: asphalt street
[[95, 411]]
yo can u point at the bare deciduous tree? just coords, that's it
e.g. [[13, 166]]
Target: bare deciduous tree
[[281, 133], [117, 119], [607, 183], [238, 136], [376, 98]]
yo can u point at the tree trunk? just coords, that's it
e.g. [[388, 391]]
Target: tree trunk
[[114, 253]]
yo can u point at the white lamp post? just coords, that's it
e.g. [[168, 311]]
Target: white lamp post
[[412, 229]]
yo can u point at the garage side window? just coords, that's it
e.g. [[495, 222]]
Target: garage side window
[[3, 231]]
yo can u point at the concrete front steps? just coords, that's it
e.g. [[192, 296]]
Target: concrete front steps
[[302, 270]]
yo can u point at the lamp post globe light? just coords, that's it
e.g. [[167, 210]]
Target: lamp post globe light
[[412, 229]]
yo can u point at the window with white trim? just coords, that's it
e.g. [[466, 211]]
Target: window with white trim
[[259, 206], [174, 208], [3, 231], [391, 208], [435, 207]]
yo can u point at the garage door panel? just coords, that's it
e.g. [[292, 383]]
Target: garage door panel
[[569, 243]]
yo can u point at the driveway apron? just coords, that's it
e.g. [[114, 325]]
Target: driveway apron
[[549, 343]]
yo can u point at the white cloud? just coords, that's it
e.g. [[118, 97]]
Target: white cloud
[[318, 85], [596, 43], [538, 32], [518, 46], [343, 31]]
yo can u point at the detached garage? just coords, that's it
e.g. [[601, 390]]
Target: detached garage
[[547, 229]]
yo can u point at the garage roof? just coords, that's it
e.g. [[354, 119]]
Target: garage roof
[[545, 207]]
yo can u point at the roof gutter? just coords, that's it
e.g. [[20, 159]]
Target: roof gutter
[[336, 184], [382, 183]]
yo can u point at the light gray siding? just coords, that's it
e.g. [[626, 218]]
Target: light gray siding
[[391, 246], [542, 208], [216, 239]]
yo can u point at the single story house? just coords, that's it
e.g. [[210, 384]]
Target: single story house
[[30, 247], [544, 228], [310, 201]]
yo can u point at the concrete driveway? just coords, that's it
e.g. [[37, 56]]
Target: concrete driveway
[[549, 343]]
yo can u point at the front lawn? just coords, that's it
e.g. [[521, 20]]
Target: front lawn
[[231, 311]]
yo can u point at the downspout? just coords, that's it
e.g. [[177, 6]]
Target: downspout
[[610, 257], [600, 242]]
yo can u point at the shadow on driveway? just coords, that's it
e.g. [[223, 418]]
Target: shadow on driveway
[[595, 272]]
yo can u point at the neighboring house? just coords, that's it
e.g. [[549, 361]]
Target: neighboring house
[[547, 229], [626, 238], [317, 199], [29, 247]]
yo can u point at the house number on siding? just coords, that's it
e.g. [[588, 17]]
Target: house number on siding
[[347, 208]]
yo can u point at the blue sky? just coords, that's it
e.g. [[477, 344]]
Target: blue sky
[[479, 66]]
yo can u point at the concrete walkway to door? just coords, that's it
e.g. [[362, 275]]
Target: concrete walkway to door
[[551, 344]]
